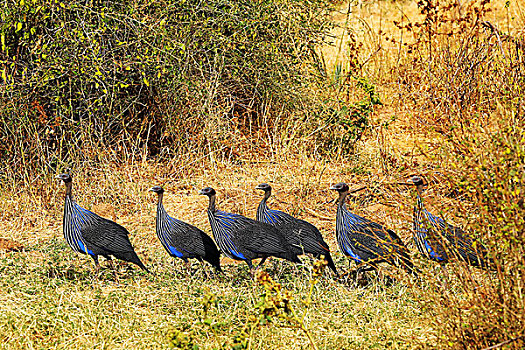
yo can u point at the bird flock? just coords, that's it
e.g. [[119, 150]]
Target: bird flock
[[274, 234]]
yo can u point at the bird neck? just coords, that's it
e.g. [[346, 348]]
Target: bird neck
[[262, 208], [341, 200], [211, 205], [267, 195], [419, 193], [69, 185], [419, 189], [159, 204]]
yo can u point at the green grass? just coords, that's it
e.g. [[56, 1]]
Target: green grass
[[50, 299]]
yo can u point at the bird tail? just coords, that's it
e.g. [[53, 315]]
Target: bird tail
[[214, 259], [330, 261], [133, 258], [490, 265], [217, 264], [293, 258], [142, 266], [409, 266], [484, 263]]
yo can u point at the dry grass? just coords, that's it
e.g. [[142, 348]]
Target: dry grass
[[50, 297]]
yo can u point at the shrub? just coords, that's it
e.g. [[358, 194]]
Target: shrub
[[465, 76], [144, 78]]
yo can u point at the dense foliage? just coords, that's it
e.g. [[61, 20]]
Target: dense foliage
[[132, 76], [469, 76]]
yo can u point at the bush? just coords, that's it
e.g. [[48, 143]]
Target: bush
[[469, 76], [82, 80], [485, 308]]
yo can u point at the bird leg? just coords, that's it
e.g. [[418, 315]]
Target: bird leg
[[347, 274], [360, 276], [97, 270], [381, 277], [252, 269], [204, 269], [188, 266], [97, 266], [112, 266]]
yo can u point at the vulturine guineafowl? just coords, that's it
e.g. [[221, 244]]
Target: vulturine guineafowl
[[182, 240], [90, 234], [439, 241], [365, 241], [241, 238], [302, 236]]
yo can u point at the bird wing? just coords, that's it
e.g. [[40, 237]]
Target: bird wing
[[372, 238], [301, 236], [254, 236], [262, 238], [106, 235], [183, 237], [461, 241], [305, 236], [209, 245]]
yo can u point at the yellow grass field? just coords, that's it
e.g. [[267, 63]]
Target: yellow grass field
[[50, 298]]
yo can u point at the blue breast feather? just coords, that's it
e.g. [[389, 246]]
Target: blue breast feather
[[437, 223], [350, 222], [171, 226], [269, 218], [228, 221], [81, 217], [274, 217]]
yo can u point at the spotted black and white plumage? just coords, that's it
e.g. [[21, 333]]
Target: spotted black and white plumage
[[365, 241], [439, 241], [183, 240], [241, 238], [302, 236], [90, 234]]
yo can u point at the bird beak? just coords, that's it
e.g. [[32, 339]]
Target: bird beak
[[333, 188], [58, 177], [200, 192], [408, 181], [151, 189], [258, 187]]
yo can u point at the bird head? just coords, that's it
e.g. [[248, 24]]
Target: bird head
[[156, 189], [65, 177], [340, 187], [264, 187], [207, 191], [415, 180]]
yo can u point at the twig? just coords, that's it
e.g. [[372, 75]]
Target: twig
[[499, 345], [314, 213]]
